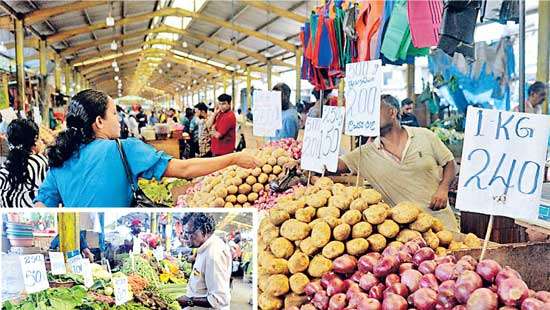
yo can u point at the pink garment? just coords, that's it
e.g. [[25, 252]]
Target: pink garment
[[424, 19]]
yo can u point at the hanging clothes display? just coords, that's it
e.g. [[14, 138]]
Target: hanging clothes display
[[424, 20], [367, 27], [459, 22], [500, 11]]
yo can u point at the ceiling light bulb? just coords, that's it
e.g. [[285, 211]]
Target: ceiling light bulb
[[160, 71], [116, 77], [117, 69], [168, 65], [110, 21], [114, 64], [184, 44], [114, 45]]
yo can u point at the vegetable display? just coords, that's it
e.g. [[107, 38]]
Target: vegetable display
[[160, 191], [293, 147], [330, 227]]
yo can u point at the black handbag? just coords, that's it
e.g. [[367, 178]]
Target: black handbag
[[139, 199]]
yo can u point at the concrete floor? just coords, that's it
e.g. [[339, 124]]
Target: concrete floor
[[241, 294]]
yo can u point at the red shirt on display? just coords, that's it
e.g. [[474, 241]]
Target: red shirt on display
[[225, 125]]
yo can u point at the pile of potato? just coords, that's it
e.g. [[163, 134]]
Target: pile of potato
[[301, 236], [236, 187]]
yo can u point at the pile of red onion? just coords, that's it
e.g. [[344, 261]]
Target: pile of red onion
[[268, 199], [412, 277], [290, 145]]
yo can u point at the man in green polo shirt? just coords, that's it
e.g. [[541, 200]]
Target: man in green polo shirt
[[406, 164]]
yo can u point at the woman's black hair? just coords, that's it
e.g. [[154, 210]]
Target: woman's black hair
[[200, 221], [83, 111], [22, 136]]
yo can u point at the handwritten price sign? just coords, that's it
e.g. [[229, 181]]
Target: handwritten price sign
[[331, 134], [75, 263], [57, 261], [502, 163], [87, 273], [311, 149], [363, 87], [120, 287], [34, 273], [267, 112]]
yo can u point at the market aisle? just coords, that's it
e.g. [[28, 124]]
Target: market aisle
[[241, 294]]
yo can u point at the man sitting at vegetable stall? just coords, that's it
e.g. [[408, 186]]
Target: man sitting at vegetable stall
[[406, 164], [84, 249], [208, 285]]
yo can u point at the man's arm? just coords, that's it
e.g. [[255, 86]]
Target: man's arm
[[185, 301], [441, 196]]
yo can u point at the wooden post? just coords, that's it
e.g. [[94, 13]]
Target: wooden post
[[298, 69], [248, 89], [410, 81], [19, 63], [68, 224], [68, 80], [168, 232], [225, 85], [233, 92], [44, 102], [57, 73], [543, 55], [214, 91], [341, 89], [269, 72]]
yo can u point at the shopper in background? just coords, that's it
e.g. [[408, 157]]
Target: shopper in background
[[208, 285], [123, 121], [289, 117], [51, 119], [133, 126], [223, 131], [25, 168], [153, 119], [536, 95], [204, 122], [84, 248], [407, 113], [191, 127], [86, 169], [406, 164], [141, 119], [315, 110]]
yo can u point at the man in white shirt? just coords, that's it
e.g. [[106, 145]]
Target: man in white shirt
[[536, 95], [208, 285]]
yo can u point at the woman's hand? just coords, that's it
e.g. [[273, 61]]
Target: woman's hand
[[244, 160]]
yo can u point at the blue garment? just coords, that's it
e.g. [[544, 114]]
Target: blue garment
[[54, 245], [153, 120], [95, 177], [191, 126], [3, 127], [290, 125]]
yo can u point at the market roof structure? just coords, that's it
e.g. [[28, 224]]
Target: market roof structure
[[165, 45]]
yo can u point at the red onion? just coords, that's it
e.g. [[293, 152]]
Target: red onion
[[532, 304], [368, 280], [424, 299], [312, 288], [488, 269], [512, 291], [377, 291], [410, 247], [385, 266], [428, 281], [422, 255], [326, 278], [506, 273], [469, 259], [357, 276], [353, 288], [405, 266], [404, 257], [459, 307], [466, 283], [394, 302], [390, 251], [366, 262], [427, 266], [445, 259], [321, 300], [397, 288], [482, 299], [337, 302], [411, 279], [355, 299], [543, 295], [345, 264], [392, 278], [445, 272]]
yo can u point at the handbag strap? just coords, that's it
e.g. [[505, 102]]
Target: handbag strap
[[126, 166]]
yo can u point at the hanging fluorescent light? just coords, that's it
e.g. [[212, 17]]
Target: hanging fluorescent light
[[110, 21], [116, 77], [114, 64], [184, 44], [114, 45], [3, 47], [117, 69]]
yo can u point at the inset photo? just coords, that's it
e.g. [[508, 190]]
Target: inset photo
[[127, 260]]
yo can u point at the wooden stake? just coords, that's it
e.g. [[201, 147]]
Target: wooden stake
[[487, 237], [308, 178], [358, 165]]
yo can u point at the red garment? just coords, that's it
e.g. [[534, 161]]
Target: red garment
[[225, 125]]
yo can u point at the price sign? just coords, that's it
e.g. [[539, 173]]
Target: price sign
[[75, 263], [87, 273], [502, 163], [158, 253], [331, 134], [35, 277], [267, 112], [57, 261], [362, 92], [137, 246], [120, 287], [311, 149]]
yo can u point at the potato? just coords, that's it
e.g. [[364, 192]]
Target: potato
[[276, 266], [252, 197], [245, 189], [218, 203], [407, 235], [377, 242], [320, 234], [231, 198], [237, 181], [243, 173], [337, 187], [422, 223], [342, 232], [277, 285], [371, 196], [266, 302], [263, 178], [281, 248], [267, 169], [324, 183], [237, 205], [352, 217], [405, 212], [357, 247], [441, 251], [277, 216], [328, 211], [281, 161], [262, 282], [272, 161], [388, 229], [268, 233], [445, 237], [325, 193], [359, 204], [277, 169], [247, 205], [395, 244], [256, 172], [298, 282], [361, 230], [437, 225], [455, 246], [431, 239], [298, 262], [228, 205], [250, 180], [232, 189], [375, 214], [256, 188], [272, 178], [264, 256], [332, 221], [307, 246], [339, 201], [267, 188], [294, 230], [316, 201], [333, 249], [292, 206], [293, 300], [305, 215], [472, 241], [319, 265]]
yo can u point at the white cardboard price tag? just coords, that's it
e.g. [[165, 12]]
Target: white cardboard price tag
[[158, 253], [311, 149], [75, 264], [503, 161], [331, 134], [120, 287], [136, 246], [267, 112], [87, 273], [362, 92], [57, 261], [35, 277]]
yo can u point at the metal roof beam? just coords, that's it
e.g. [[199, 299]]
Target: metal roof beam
[[266, 6]]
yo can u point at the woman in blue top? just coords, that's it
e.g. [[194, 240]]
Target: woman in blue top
[[86, 169]]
